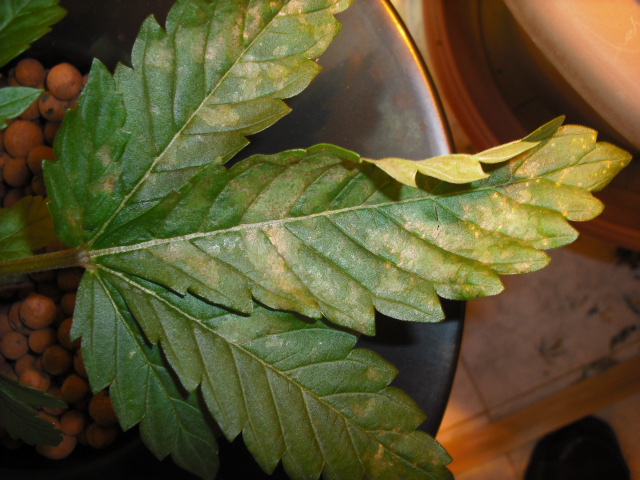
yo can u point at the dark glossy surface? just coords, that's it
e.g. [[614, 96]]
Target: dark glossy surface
[[373, 96]]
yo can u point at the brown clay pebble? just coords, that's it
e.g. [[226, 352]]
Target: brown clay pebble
[[11, 78], [50, 289], [31, 113], [60, 451], [29, 72], [5, 326], [7, 369], [100, 437], [73, 105], [28, 289], [51, 108], [21, 137], [13, 345], [24, 363], [64, 335], [72, 422], [40, 340], [64, 81], [69, 279], [78, 364], [55, 421], [68, 303], [56, 411], [16, 322], [74, 389], [37, 311], [35, 379], [12, 197], [56, 360], [16, 173], [26, 190], [38, 186], [14, 316], [101, 409], [43, 276], [37, 156], [50, 129]]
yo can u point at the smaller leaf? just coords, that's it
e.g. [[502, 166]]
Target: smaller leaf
[[19, 417], [510, 150], [459, 167], [15, 100], [25, 228], [23, 22], [143, 390]]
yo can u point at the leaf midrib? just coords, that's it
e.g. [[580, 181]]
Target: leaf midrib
[[178, 134], [281, 221]]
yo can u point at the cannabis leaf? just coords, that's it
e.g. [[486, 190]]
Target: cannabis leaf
[[23, 22], [142, 389], [297, 390], [194, 91], [186, 259], [311, 231], [14, 101], [462, 167], [21, 419], [25, 228]]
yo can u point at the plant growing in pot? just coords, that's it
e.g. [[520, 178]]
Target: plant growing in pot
[[236, 294]]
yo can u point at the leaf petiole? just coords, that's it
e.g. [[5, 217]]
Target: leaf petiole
[[46, 261]]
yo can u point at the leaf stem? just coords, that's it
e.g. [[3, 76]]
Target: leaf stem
[[46, 261]]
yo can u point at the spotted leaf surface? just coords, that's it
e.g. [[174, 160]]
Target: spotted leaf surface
[[217, 72], [297, 391], [142, 387], [315, 232]]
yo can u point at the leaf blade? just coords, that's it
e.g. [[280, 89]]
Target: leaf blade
[[23, 22], [14, 101], [25, 228], [142, 388], [250, 368], [195, 91], [291, 238], [19, 417], [461, 167]]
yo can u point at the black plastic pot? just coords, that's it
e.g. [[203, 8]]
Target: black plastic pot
[[373, 96]]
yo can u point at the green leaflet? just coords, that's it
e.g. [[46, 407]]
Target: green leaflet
[[194, 91], [14, 101], [88, 146], [19, 417], [314, 232], [459, 167], [23, 22], [297, 390], [25, 228], [142, 388]]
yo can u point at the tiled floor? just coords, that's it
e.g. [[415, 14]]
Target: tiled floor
[[548, 330]]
